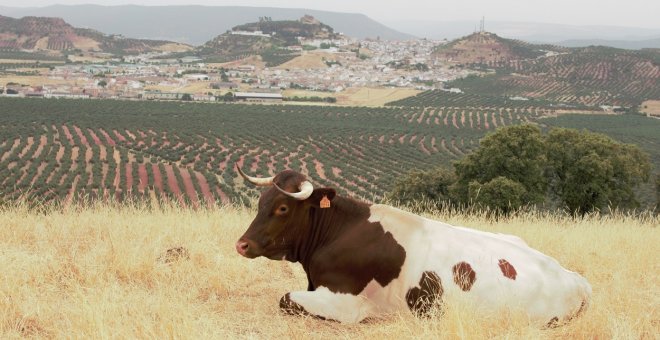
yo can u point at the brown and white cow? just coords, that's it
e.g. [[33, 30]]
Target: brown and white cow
[[364, 260]]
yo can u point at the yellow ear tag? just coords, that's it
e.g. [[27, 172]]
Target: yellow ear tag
[[325, 202]]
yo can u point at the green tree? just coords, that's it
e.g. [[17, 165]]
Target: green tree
[[501, 194], [417, 185], [228, 97], [591, 171], [186, 97], [514, 152], [103, 83]]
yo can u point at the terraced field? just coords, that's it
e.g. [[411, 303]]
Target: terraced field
[[590, 76], [67, 149]]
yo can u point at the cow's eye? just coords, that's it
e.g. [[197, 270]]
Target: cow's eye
[[282, 210]]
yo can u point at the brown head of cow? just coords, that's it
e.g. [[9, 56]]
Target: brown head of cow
[[282, 216]]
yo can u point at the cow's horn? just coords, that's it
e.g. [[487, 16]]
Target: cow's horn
[[306, 189], [262, 182]]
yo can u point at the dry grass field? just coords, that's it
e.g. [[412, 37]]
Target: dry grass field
[[651, 107], [364, 96], [106, 272]]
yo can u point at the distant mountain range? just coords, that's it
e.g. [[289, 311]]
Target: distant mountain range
[[565, 35], [196, 24]]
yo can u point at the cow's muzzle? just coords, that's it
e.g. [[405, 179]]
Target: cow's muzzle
[[246, 248]]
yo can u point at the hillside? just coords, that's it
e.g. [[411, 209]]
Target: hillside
[[589, 76], [169, 272], [586, 76], [197, 24], [54, 36], [486, 48], [264, 38]]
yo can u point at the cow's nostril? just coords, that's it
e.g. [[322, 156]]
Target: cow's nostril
[[242, 247]]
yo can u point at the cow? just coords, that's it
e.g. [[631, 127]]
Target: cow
[[365, 260]]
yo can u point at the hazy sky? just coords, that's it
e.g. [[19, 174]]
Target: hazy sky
[[635, 13]]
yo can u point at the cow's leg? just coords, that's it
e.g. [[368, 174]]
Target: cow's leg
[[324, 304]]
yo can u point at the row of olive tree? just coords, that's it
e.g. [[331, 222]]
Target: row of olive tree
[[518, 165]]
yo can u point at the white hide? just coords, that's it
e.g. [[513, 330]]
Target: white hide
[[346, 308], [542, 288]]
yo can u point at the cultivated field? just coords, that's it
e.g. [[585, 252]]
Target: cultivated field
[[125, 272], [65, 149], [95, 149]]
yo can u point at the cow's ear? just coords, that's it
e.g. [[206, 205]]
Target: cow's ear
[[322, 197]]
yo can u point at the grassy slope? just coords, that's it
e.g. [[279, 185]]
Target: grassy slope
[[94, 272]]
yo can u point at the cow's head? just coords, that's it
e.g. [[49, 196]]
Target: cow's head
[[284, 213]]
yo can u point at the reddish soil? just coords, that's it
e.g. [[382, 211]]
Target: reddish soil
[[119, 136], [82, 137], [204, 186], [96, 139], [462, 118], [319, 169], [413, 139], [129, 176], [40, 148], [240, 161], [446, 118], [131, 135], [142, 175], [28, 146], [471, 123], [494, 118], [421, 118], [303, 165], [223, 164], [104, 173], [271, 165], [189, 187], [72, 190], [158, 178], [336, 171], [103, 153], [316, 148], [142, 134], [107, 137], [486, 124], [478, 120], [223, 197], [60, 154], [171, 182], [68, 134], [402, 139], [88, 155], [218, 142], [255, 163]]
